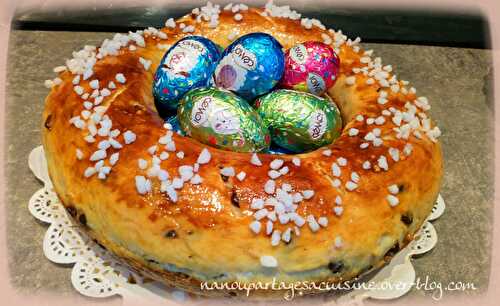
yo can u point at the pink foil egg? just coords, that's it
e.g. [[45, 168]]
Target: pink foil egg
[[311, 66]]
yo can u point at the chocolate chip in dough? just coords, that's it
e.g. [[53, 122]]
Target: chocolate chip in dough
[[407, 218], [48, 122], [336, 266], [171, 234]]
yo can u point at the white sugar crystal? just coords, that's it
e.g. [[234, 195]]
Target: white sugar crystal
[[379, 120], [360, 118], [351, 186], [79, 154], [227, 171], [297, 197], [170, 146], [257, 203], [338, 242], [275, 237], [370, 81], [377, 142], [307, 194], [156, 160], [370, 121], [89, 172], [355, 177], [163, 155], [120, 78], [99, 164], [367, 165], [188, 29], [114, 143], [394, 189], [177, 183], [142, 163], [105, 92], [342, 161], [394, 153], [196, 179], [172, 194], [287, 235], [255, 226], [204, 157], [286, 187], [353, 132], [273, 174], [78, 90], [186, 172], [238, 17], [338, 210], [296, 161], [336, 170], [170, 23], [351, 80], [364, 145], [327, 152], [382, 163], [313, 224], [111, 85], [260, 214], [276, 164], [87, 74], [103, 145], [268, 261], [298, 220], [284, 170], [269, 226], [323, 221], [98, 155], [76, 80], [241, 176], [407, 149], [129, 137], [255, 160], [338, 200], [393, 201], [94, 84], [142, 184], [162, 175], [180, 154], [85, 114], [88, 105], [113, 159], [336, 183], [89, 138], [145, 63], [269, 186]]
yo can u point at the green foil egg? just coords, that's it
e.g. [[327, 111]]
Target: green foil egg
[[299, 121], [223, 120]]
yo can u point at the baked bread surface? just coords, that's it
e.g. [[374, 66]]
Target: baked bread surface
[[205, 235]]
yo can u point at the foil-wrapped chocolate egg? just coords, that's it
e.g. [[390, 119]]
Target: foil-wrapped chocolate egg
[[188, 64], [251, 66], [311, 66], [220, 118], [299, 121]]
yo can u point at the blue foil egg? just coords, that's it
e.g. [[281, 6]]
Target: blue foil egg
[[251, 66], [188, 64]]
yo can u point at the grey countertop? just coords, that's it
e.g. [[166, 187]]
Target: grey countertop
[[457, 82]]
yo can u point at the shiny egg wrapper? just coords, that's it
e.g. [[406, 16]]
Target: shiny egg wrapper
[[250, 66], [221, 119], [311, 66], [299, 121], [188, 64]]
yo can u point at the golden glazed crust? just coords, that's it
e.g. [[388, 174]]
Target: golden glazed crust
[[205, 235]]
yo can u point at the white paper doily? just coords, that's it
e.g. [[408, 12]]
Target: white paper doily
[[97, 274]]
